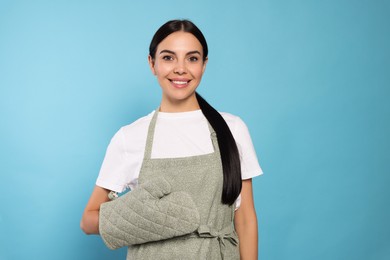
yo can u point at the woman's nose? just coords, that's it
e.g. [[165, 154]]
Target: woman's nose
[[180, 68]]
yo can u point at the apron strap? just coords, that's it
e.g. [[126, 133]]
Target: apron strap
[[149, 138], [214, 139]]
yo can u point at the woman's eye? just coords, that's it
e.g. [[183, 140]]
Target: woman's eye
[[167, 58], [193, 59]]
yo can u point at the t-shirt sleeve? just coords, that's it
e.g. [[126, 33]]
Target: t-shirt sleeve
[[250, 167], [249, 162], [115, 173]]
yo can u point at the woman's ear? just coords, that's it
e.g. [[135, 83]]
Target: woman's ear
[[151, 64], [204, 64]]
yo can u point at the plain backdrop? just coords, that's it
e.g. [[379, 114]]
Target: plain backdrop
[[309, 78]]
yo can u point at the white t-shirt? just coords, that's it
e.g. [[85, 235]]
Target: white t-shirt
[[176, 135]]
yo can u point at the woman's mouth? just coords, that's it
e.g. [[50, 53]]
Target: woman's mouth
[[180, 83]]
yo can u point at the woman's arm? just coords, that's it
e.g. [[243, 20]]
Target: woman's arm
[[90, 220], [245, 222]]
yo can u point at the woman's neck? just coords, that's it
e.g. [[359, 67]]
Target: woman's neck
[[174, 106]]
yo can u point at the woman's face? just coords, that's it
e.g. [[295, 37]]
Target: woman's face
[[178, 66]]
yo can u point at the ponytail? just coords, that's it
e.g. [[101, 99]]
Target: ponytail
[[229, 152]]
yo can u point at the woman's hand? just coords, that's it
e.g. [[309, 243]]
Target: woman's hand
[[245, 222], [90, 220]]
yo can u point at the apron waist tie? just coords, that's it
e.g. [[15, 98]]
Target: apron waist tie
[[223, 235]]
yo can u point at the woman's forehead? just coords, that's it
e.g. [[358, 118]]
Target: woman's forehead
[[180, 41]]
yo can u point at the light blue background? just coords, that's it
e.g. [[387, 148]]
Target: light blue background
[[310, 79]]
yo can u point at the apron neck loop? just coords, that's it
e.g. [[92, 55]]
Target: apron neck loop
[[152, 127]]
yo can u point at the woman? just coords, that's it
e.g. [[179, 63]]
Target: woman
[[206, 154]]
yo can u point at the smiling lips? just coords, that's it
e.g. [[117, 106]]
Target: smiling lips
[[180, 83]]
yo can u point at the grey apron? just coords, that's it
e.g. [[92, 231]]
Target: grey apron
[[202, 178]]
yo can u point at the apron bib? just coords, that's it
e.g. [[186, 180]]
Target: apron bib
[[202, 178]]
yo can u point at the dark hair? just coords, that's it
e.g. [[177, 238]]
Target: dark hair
[[176, 26], [229, 152]]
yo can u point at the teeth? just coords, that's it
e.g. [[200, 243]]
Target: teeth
[[179, 82]]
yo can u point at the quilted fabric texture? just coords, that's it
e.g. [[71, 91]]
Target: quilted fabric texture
[[151, 212]]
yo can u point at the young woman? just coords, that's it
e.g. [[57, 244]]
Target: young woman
[[204, 153]]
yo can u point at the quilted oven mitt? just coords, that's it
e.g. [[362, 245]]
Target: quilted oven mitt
[[150, 212]]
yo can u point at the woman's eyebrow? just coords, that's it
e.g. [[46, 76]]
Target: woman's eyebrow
[[168, 51], [172, 52], [193, 52]]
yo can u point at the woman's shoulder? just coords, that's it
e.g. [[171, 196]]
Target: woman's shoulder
[[132, 137], [229, 116], [138, 125], [233, 121]]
